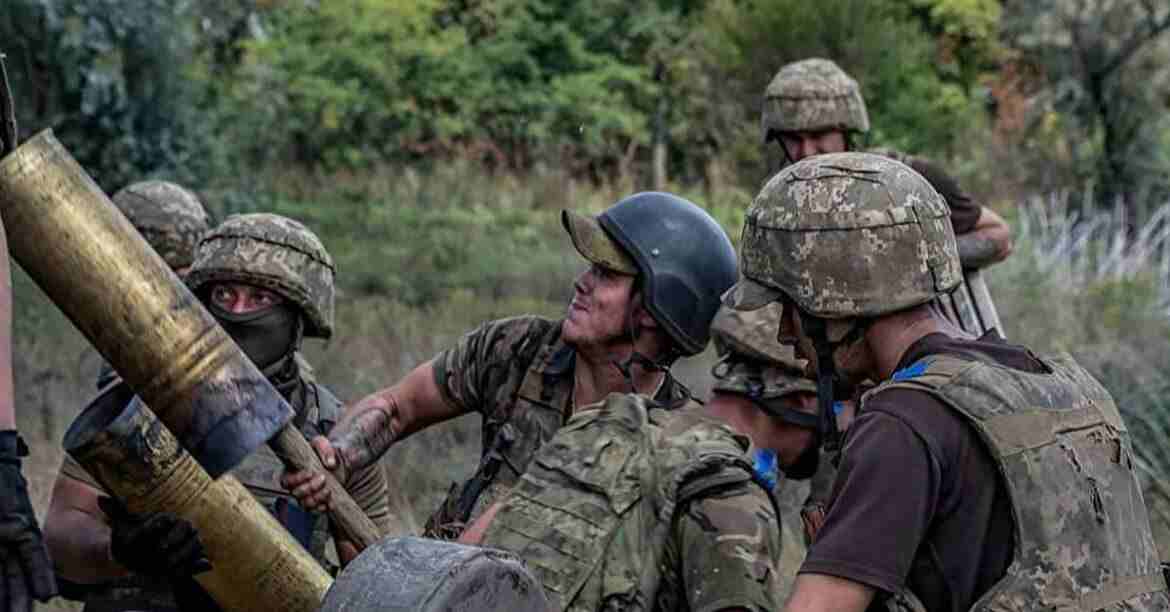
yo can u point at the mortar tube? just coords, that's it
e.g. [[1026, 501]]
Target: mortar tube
[[256, 563], [88, 258]]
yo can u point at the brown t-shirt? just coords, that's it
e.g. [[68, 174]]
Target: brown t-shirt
[[918, 501], [964, 211]]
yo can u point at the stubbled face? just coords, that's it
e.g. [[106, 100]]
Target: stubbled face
[[800, 145], [600, 310], [852, 363], [240, 298]]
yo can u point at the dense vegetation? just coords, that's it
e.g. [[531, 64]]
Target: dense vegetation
[[431, 143]]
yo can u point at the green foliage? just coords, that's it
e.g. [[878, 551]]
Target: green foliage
[[108, 77], [913, 104]]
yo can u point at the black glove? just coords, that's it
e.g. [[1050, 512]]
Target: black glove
[[25, 570], [157, 544]]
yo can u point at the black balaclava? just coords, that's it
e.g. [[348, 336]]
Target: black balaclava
[[269, 337]]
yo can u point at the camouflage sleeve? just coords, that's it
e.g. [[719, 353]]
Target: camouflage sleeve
[[485, 360], [368, 488], [72, 469], [728, 552]]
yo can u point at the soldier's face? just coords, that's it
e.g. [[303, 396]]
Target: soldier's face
[[239, 298], [600, 310], [800, 145]]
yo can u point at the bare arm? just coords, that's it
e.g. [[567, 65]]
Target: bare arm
[[816, 592], [988, 243], [78, 533], [368, 428]]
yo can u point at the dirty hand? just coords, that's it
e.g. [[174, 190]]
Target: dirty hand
[[157, 544], [24, 559], [309, 486]]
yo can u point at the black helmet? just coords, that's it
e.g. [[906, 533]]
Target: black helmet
[[684, 258]]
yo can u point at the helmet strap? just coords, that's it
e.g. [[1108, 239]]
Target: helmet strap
[[817, 329]]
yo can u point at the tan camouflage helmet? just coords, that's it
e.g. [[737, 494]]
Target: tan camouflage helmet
[[752, 361], [169, 217], [846, 235], [272, 252], [813, 95]]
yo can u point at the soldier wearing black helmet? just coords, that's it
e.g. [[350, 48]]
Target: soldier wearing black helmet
[[657, 265]]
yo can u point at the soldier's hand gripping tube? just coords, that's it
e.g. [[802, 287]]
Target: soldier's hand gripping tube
[[156, 544], [25, 570], [122, 296]]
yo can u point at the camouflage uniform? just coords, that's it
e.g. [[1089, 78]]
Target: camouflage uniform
[[168, 216], [753, 363], [518, 374], [1082, 537], [631, 507], [280, 254]]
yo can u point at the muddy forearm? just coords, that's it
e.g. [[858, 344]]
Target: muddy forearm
[[367, 430]]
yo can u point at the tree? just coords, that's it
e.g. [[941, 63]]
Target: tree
[[1099, 58], [109, 78]]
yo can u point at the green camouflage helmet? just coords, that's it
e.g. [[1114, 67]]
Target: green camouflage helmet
[[753, 362], [170, 217], [846, 235], [813, 95], [272, 252]]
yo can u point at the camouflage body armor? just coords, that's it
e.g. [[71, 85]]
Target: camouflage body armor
[[260, 472], [593, 513], [1083, 540]]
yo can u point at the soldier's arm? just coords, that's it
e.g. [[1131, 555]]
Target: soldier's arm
[[729, 552], [78, 533], [820, 592], [989, 242], [368, 428]]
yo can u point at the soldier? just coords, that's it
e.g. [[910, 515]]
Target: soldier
[[813, 107], [666, 509], [24, 559], [657, 266], [268, 280], [977, 474]]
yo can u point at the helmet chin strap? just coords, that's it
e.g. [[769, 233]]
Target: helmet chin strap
[[626, 366], [818, 329]]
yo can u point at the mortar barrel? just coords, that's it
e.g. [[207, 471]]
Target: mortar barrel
[[102, 274], [256, 564]]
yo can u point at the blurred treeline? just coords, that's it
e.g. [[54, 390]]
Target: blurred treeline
[[1020, 96]]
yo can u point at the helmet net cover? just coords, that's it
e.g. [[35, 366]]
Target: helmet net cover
[[849, 235], [813, 95], [275, 253]]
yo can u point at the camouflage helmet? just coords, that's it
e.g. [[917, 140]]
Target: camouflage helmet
[[272, 252], [169, 217], [752, 361], [846, 235], [810, 96]]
